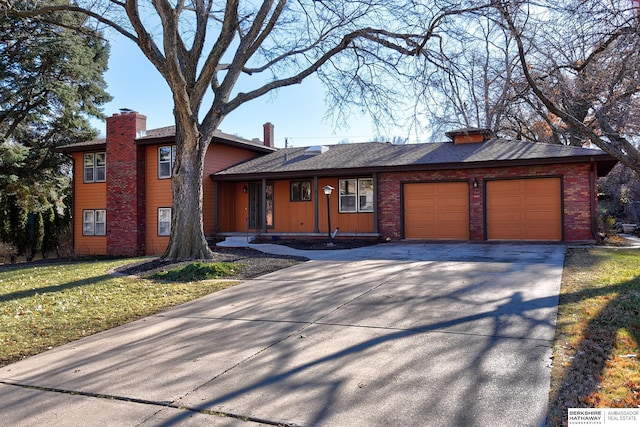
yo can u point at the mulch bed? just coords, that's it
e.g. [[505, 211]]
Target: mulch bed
[[251, 263]]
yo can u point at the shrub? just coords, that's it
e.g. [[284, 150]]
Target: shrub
[[64, 246], [8, 252], [607, 224], [197, 271]]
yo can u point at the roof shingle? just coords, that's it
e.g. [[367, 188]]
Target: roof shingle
[[375, 155]]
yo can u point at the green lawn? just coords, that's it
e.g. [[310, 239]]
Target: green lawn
[[51, 304], [596, 353]]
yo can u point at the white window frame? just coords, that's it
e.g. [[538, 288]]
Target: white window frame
[[94, 166], [94, 222], [170, 162], [164, 223], [355, 195]]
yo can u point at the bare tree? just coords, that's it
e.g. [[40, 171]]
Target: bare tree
[[581, 63], [204, 47], [472, 84], [564, 73]]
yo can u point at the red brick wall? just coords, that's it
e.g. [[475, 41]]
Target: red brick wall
[[125, 185], [577, 195]]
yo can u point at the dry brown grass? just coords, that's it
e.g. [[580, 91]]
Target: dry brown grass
[[596, 352], [47, 305]]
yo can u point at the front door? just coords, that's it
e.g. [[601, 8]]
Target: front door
[[257, 211]]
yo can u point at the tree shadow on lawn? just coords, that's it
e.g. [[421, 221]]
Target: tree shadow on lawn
[[53, 288], [579, 385]]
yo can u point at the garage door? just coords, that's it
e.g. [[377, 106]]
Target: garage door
[[524, 209], [436, 210]]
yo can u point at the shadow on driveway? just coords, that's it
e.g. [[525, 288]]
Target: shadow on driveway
[[444, 340]]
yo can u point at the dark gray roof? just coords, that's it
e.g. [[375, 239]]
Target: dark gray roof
[[377, 156], [167, 133], [95, 143], [163, 134], [158, 133]]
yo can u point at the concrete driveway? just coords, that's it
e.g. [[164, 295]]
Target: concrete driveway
[[396, 334]]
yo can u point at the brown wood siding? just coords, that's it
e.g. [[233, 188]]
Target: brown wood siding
[[468, 139], [524, 209], [436, 210], [356, 222], [292, 217], [87, 196], [218, 157], [158, 192]]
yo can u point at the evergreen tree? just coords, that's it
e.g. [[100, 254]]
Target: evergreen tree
[[51, 83]]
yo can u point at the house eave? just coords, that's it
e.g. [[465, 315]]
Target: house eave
[[170, 139], [86, 148], [605, 160]]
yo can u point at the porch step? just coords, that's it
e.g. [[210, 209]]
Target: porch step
[[236, 241]]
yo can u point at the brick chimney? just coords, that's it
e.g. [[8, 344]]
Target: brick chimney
[[470, 135], [125, 184], [268, 135]]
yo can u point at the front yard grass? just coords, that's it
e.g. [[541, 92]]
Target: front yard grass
[[51, 304], [596, 353]]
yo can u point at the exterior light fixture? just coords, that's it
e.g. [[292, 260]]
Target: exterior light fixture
[[475, 183], [327, 191], [245, 189]]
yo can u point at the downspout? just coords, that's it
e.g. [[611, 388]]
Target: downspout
[[592, 200]]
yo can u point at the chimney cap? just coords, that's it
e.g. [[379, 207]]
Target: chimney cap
[[126, 110], [485, 132]]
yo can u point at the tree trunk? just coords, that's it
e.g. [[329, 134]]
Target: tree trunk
[[187, 239]]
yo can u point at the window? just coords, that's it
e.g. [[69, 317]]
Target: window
[[166, 159], [347, 189], [300, 191], [164, 221], [365, 195], [95, 167], [356, 195], [94, 222]]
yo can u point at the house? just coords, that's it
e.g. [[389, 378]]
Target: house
[[474, 187], [122, 185]]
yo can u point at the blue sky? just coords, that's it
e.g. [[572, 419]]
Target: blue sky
[[297, 112]]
